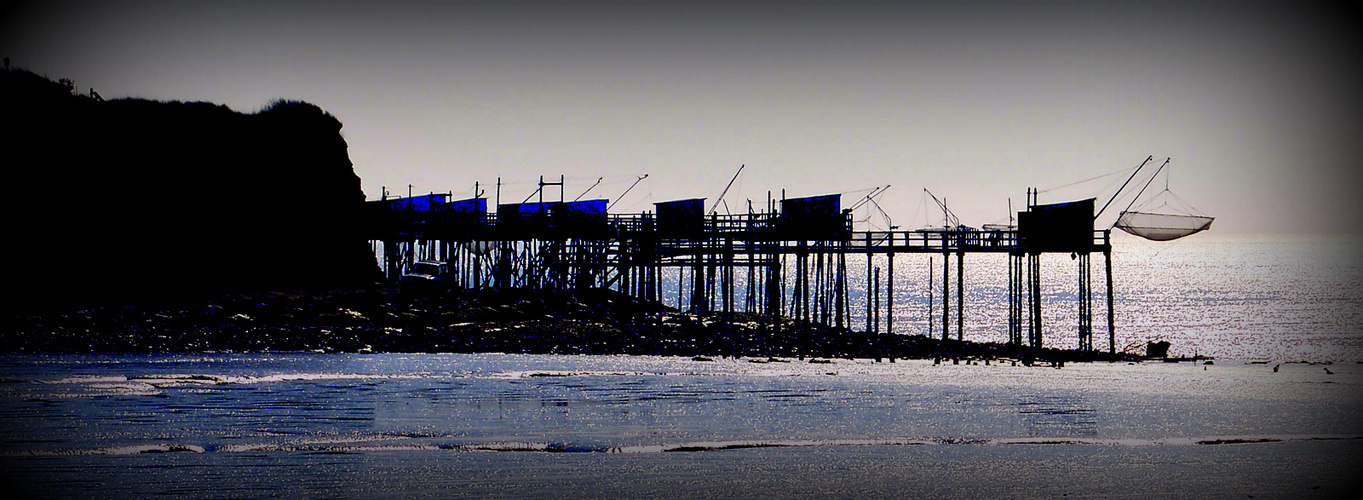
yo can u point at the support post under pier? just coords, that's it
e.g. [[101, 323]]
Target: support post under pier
[[946, 295], [960, 295], [889, 289], [1111, 322]]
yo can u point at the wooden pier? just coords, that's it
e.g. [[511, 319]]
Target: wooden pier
[[788, 260]]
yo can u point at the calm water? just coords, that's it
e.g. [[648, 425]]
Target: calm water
[[328, 425], [1236, 296]]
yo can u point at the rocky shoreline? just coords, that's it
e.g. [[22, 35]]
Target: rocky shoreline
[[384, 318]]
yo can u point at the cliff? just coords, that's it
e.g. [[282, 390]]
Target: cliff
[[107, 202]]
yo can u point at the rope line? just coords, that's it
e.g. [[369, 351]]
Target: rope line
[[1122, 171]]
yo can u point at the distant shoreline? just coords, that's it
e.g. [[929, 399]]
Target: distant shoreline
[[382, 318]]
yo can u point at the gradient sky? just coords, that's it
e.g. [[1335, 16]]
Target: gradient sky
[[1257, 103]]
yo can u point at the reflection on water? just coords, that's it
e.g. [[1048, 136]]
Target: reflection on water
[[1061, 415], [1229, 296]]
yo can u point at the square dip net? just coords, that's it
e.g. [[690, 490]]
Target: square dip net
[[1162, 227]]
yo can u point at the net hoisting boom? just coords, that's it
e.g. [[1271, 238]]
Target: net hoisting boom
[[1160, 226], [627, 190], [865, 199], [948, 217], [1128, 181], [726, 190]]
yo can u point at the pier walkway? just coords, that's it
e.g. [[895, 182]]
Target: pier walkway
[[788, 260]]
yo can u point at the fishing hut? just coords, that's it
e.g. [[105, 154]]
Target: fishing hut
[[1057, 228], [788, 259]]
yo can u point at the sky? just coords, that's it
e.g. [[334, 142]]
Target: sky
[[1255, 103]]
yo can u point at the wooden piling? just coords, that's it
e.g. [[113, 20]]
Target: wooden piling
[[889, 287], [946, 295], [960, 295], [1111, 322]]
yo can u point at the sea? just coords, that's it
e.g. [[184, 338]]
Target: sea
[[1276, 412]]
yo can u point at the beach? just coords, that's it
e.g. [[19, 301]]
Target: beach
[[505, 425]]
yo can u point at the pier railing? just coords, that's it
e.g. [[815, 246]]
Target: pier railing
[[740, 229], [953, 239]]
